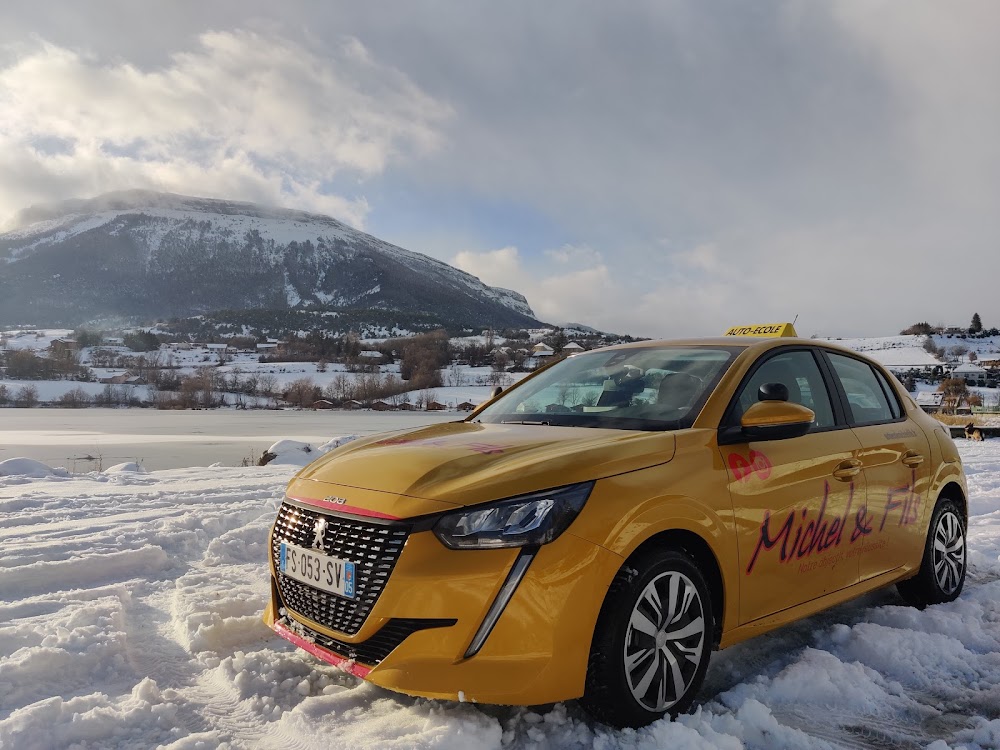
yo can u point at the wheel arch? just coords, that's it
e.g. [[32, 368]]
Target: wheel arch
[[699, 550], [954, 492]]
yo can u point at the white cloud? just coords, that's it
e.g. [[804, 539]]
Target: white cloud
[[244, 115], [838, 160], [557, 292], [495, 267], [577, 255]]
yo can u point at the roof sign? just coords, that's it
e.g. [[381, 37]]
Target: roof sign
[[764, 330]]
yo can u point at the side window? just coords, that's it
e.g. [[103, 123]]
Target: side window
[[890, 392], [799, 373], [867, 400]]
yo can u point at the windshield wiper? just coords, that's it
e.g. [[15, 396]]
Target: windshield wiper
[[525, 421]]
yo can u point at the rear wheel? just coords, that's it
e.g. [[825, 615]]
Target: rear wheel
[[653, 641], [942, 570]]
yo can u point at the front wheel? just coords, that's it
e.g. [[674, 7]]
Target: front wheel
[[942, 570], [653, 641]]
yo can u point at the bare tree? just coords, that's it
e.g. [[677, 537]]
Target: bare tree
[[75, 398], [26, 397], [301, 393], [955, 391], [267, 385], [456, 375], [498, 370]]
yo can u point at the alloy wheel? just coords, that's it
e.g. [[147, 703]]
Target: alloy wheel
[[664, 641], [949, 553]]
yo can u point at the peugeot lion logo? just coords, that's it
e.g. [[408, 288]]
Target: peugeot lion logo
[[319, 531]]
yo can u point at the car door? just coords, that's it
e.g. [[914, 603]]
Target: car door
[[794, 499], [896, 460]]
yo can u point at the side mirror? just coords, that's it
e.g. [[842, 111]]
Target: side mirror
[[776, 420], [495, 392]]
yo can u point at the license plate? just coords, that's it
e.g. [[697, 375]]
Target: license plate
[[316, 569]]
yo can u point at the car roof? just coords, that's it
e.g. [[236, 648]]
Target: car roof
[[746, 342]]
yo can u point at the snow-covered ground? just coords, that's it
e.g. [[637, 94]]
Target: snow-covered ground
[[908, 351], [892, 351], [129, 617]]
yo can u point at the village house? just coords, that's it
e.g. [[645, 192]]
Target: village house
[[930, 401], [63, 348], [971, 373], [123, 379]]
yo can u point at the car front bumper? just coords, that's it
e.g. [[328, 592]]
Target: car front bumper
[[435, 603]]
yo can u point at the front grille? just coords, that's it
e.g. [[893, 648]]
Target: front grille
[[372, 651], [373, 547]]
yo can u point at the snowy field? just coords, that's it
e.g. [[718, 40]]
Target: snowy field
[[129, 618]]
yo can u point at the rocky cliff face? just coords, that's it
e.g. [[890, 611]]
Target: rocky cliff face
[[145, 255]]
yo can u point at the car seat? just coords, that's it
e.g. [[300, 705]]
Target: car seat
[[678, 390]]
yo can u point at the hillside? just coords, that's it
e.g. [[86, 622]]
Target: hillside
[[141, 255]]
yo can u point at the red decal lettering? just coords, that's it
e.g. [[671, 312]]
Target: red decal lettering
[[766, 542], [800, 536], [744, 468], [761, 464], [739, 466]]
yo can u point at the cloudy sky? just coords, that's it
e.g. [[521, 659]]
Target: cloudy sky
[[660, 168]]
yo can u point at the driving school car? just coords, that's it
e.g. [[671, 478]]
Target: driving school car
[[598, 529]]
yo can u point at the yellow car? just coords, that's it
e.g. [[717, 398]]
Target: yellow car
[[597, 530]]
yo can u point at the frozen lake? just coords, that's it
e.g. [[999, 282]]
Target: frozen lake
[[87, 439]]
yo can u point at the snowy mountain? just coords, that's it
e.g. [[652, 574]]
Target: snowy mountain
[[142, 255]]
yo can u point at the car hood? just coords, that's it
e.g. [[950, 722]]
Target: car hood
[[462, 463]]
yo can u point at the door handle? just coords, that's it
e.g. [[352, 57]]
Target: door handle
[[847, 469], [912, 458]]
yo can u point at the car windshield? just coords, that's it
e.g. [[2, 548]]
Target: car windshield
[[646, 388]]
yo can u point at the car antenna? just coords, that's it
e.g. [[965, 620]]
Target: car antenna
[[796, 318]]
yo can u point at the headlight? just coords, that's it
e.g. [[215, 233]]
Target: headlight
[[520, 521]]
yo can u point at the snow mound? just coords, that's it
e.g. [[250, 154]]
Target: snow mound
[[336, 443], [129, 467], [296, 453], [28, 467]]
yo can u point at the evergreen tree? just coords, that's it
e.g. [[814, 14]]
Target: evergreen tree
[[977, 324]]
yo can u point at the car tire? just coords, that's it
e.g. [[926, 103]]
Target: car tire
[[942, 569], [647, 661]]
